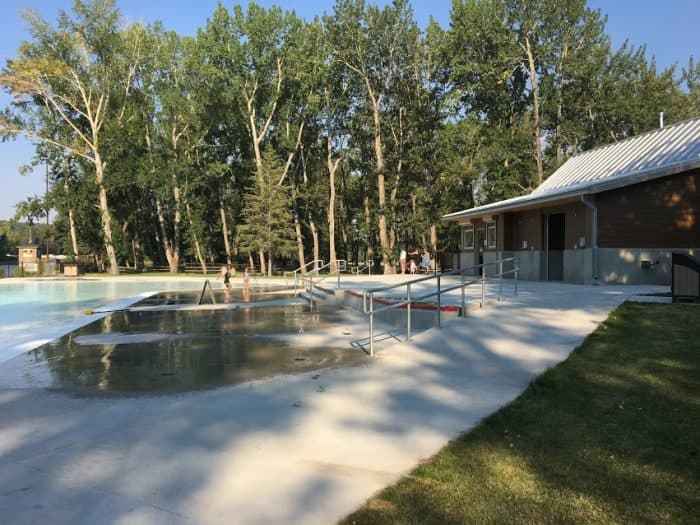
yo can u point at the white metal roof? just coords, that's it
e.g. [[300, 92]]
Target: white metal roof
[[657, 153]]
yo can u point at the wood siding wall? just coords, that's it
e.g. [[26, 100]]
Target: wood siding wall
[[664, 213], [527, 226]]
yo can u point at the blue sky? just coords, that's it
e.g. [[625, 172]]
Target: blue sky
[[669, 29]]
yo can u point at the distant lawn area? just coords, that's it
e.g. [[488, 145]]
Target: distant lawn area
[[612, 435]]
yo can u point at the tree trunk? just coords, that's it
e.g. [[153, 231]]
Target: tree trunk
[[297, 229], [170, 254], [177, 233], [263, 265], [560, 103], [534, 82], [106, 216], [314, 237], [73, 232], [224, 230], [195, 241], [369, 251], [381, 195], [137, 248], [71, 216], [397, 181], [332, 167]]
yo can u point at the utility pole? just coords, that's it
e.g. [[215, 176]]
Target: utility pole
[[46, 195]]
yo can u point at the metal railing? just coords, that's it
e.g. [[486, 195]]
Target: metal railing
[[301, 270], [368, 295], [357, 270], [340, 266], [212, 295]]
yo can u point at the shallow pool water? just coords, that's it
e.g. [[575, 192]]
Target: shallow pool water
[[167, 351], [30, 308]]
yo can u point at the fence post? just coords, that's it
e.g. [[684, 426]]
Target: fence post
[[483, 283], [438, 299], [311, 293], [371, 325], [500, 279], [464, 304], [408, 307]]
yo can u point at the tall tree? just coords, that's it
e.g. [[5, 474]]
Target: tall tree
[[268, 221], [78, 74], [376, 46]]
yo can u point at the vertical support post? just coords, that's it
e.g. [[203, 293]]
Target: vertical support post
[[311, 293], [483, 284], [408, 308], [500, 279], [371, 325], [517, 267], [464, 304], [438, 300]]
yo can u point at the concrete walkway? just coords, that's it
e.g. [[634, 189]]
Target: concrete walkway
[[305, 449]]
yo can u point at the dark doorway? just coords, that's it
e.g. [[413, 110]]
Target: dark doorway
[[555, 247], [479, 249]]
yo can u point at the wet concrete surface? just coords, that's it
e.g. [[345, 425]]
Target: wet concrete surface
[[172, 351], [234, 295]]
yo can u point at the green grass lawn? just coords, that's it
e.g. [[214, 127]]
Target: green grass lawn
[[612, 435]]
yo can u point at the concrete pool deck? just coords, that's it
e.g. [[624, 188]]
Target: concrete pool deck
[[306, 448]]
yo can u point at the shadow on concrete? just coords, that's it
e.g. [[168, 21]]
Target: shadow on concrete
[[306, 448]]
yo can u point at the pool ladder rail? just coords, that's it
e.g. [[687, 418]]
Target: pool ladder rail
[[212, 295]]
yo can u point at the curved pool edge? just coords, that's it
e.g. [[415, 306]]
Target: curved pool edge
[[21, 345]]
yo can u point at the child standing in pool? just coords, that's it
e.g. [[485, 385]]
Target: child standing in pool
[[246, 284], [226, 274]]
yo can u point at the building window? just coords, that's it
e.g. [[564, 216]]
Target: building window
[[468, 238], [491, 235]]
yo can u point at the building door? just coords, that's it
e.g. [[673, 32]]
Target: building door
[[555, 246]]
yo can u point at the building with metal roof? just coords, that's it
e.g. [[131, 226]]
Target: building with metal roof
[[613, 213]]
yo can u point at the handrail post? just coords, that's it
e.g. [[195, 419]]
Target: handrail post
[[408, 307], [500, 279], [311, 292], [371, 324], [483, 283], [464, 304], [438, 299]]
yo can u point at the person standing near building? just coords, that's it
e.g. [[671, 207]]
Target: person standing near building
[[425, 261], [402, 260]]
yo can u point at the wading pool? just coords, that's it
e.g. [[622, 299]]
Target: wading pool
[[160, 350]]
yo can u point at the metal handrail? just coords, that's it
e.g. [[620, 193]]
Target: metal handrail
[[212, 296], [369, 293], [368, 266], [317, 271], [302, 269]]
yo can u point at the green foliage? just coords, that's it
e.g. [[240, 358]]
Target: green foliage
[[268, 221], [164, 159]]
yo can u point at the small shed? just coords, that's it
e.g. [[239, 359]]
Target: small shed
[[28, 257]]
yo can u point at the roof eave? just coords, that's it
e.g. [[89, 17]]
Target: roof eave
[[587, 188]]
